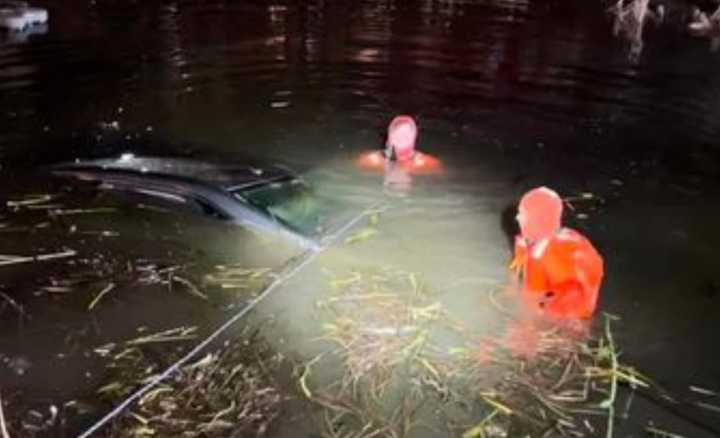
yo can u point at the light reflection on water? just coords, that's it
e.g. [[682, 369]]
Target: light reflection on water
[[231, 75], [508, 93]]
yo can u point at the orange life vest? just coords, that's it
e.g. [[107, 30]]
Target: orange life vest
[[419, 164]]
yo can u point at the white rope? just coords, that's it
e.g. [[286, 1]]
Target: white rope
[[305, 259]]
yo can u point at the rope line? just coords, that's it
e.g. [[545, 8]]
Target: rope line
[[305, 259]]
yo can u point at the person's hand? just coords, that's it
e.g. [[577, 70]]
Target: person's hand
[[518, 261], [516, 265]]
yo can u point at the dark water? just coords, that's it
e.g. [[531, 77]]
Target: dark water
[[509, 94]]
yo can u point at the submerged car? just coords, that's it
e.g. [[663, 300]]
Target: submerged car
[[268, 199]]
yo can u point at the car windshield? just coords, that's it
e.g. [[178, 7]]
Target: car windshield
[[290, 202]]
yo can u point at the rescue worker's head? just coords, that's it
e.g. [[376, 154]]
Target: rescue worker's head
[[539, 214], [401, 137]]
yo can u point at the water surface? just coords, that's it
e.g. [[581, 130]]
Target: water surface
[[509, 94]]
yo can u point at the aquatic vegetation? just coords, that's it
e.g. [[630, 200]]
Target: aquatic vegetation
[[227, 392], [93, 278], [236, 277], [582, 205], [400, 361], [656, 432], [362, 235], [85, 266], [6, 259], [3, 426], [100, 295], [378, 323]]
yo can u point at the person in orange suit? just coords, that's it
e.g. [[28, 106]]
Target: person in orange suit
[[560, 270], [400, 160]]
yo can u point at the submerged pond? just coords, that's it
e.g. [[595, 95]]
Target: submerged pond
[[507, 94]]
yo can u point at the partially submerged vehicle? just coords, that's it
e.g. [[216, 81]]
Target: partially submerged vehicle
[[270, 199]]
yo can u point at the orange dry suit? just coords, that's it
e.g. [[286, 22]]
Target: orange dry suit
[[561, 274]]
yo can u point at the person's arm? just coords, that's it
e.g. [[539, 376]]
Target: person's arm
[[577, 283]]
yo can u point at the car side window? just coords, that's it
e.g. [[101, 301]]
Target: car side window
[[155, 200], [189, 204]]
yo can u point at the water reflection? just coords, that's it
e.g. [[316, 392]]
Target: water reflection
[[706, 26], [629, 20], [508, 94], [539, 64]]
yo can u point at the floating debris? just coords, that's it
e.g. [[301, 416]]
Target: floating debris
[[43, 206], [228, 392], [374, 219], [14, 304], [709, 407], [75, 211], [3, 426], [171, 335], [703, 391], [656, 432], [401, 358], [6, 260], [361, 235], [57, 289], [104, 233], [129, 364], [191, 288], [279, 104], [379, 325], [238, 277], [30, 200], [100, 295]]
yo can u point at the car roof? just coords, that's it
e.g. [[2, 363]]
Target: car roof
[[228, 177]]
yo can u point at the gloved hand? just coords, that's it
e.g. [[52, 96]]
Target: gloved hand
[[518, 261]]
